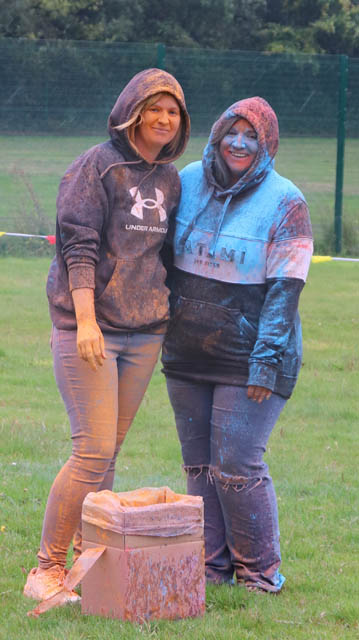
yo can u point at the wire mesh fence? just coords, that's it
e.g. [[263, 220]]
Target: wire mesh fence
[[68, 88]]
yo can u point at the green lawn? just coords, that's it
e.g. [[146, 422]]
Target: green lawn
[[41, 161], [312, 455]]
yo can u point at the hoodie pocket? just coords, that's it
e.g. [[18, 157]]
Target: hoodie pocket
[[135, 296], [204, 329]]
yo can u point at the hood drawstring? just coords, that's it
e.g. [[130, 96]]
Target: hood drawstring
[[116, 164], [187, 232], [212, 248], [147, 175]]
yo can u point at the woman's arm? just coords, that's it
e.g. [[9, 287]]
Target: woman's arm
[[82, 209], [288, 262], [275, 324], [90, 342]]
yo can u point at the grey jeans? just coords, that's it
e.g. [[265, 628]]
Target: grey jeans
[[223, 436]]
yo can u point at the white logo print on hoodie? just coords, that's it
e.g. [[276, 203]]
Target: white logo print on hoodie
[[147, 203]]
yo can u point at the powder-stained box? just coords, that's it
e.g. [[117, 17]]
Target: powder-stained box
[[153, 565]]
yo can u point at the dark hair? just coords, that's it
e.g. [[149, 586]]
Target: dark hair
[[219, 167]]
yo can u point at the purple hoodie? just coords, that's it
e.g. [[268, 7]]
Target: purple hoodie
[[113, 210]]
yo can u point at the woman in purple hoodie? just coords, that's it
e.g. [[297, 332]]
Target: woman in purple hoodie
[[107, 296], [242, 246]]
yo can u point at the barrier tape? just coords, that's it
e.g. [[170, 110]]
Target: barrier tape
[[316, 259], [52, 240]]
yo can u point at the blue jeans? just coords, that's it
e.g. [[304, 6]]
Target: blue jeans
[[223, 436], [101, 406]]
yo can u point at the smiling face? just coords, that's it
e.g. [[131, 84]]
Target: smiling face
[[239, 148], [159, 124]]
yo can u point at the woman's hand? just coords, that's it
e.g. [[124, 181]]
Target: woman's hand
[[90, 342], [258, 394]]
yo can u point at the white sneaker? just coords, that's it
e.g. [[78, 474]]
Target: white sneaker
[[41, 584]]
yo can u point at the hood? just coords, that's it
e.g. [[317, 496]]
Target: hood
[[142, 86], [264, 121]]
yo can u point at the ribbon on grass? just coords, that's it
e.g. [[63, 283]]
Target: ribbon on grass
[[50, 239]]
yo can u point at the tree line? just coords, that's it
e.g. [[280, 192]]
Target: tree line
[[277, 26]]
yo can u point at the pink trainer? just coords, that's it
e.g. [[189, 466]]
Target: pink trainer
[[41, 584]]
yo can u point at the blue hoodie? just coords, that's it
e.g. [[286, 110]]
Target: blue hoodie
[[241, 257]]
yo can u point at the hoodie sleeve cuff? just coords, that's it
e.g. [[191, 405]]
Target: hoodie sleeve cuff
[[81, 277], [262, 375]]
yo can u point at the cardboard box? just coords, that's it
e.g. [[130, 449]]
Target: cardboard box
[[144, 577]]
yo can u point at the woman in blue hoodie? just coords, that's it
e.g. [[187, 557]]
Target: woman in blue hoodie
[[242, 246]]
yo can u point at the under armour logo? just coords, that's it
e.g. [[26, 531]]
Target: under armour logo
[[148, 203]]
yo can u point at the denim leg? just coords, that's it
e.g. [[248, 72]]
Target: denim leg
[[101, 406], [240, 431], [192, 405], [135, 366]]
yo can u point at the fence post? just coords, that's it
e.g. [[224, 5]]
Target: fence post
[[342, 108], [161, 56], [47, 101]]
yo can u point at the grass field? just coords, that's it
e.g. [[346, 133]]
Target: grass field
[[37, 163], [312, 455]]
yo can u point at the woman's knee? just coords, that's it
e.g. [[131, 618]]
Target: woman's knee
[[228, 466], [94, 452]]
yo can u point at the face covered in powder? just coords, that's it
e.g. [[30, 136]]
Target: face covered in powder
[[238, 148]]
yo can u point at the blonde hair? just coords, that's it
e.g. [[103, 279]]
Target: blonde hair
[[136, 120]]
